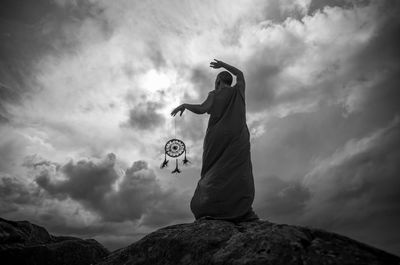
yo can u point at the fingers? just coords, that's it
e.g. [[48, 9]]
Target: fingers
[[176, 110], [216, 64], [213, 65], [173, 113]]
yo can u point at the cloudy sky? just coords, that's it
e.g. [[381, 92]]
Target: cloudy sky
[[87, 87]]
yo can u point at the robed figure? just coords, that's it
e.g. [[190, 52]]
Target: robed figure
[[225, 190]]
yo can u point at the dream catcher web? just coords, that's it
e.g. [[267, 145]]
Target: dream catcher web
[[174, 148]]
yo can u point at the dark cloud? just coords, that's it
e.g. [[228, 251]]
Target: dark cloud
[[26, 201], [29, 31], [169, 210], [3, 119], [20, 45], [24, 11], [61, 197], [138, 194], [280, 200], [358, 188], [357, 193], [380, 60], [298, 139], [14, 193], [261, 85], [144, 116], [36, 13], [291, 143], [86, 181], [316, 5], [203, 81], [12, 148], [264, 68]]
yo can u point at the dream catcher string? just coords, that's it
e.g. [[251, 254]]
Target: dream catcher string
[[174, 148]]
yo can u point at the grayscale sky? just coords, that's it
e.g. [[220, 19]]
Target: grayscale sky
[[87, 86]]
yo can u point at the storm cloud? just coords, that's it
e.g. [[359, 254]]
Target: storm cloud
[[136, 195], [83, 80], [93, 197], [359, 186]]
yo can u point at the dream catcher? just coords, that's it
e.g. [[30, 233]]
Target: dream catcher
[[174, 148]]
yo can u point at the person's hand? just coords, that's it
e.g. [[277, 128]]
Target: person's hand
[[217, 64], [180, 108]]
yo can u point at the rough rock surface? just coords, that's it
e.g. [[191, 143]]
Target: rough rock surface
[[24, 243], [260, 242]]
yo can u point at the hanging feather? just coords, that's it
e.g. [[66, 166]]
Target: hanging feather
[[176, 170], [185, 160], [165, 163]]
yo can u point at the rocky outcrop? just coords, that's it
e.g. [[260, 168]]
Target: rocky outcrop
[[25, 243], [201, 242], [260, 242]]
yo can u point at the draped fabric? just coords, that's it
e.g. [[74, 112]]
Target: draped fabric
[[226, 187]]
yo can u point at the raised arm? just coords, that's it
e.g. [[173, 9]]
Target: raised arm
[[195, 108], [236, 72]]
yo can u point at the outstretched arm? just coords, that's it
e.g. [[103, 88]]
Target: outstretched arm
[[236, 72], [195, 108]]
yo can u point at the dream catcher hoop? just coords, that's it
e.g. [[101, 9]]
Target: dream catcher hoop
[[174, 148]]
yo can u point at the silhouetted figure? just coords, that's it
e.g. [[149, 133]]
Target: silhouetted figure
[[225, 190]]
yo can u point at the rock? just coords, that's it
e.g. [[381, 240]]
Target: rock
[[259, 242], [24, 243]]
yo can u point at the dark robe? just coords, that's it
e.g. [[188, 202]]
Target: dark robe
[[226, 188]]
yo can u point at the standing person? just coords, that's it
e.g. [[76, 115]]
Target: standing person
[[225, 190]]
